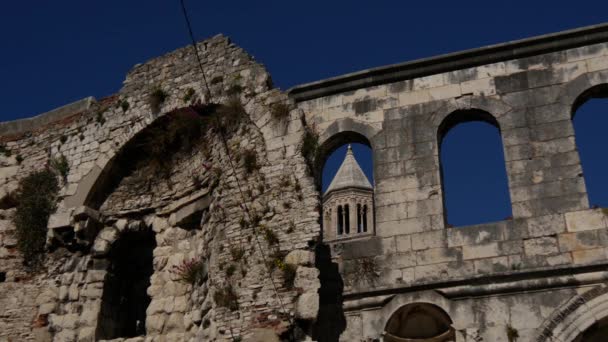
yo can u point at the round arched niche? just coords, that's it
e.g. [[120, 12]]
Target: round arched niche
[[419, 322]]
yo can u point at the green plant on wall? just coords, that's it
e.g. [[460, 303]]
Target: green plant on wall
[[157, 97], [189, 95], [226, 297], [309, 148], [5, 151], [280, 111], [124, 105], [36, 198], [512, 333], [61, 165], [193, 271]]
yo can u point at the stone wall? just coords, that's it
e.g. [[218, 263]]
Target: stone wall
[[245, 223]]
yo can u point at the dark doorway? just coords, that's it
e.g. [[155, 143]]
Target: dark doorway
[[125, 298]]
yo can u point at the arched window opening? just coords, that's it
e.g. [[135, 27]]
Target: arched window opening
[[473, 169], [125, 298], [340, 220], [346, 184], [346, 219], [419, 322], [590, 119]]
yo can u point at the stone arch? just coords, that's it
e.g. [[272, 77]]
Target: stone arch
[[422, 322], [340, 133], [498, 109], [577, 91], [460, 319], [573, 318], [470, 114]]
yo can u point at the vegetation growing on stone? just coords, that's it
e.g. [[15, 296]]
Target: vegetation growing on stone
[[250, 160], [19, 159], [157, 98], [228, 116], [280, 111], [100, 118], [63, 139], [512, 333], [237, 253], [61, 165], [230, 270], [309, 149], [5, 150], [193, 271], [226, 297], [270, 236], [124, 105], [289, 275], [189, 95], [36, 198]]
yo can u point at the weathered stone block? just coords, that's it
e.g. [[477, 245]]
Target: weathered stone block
[[307, 278], [589, 256], [541, 246], [480, 251], [364, 248], [307, 306], [438, 255], [426, 240], [300, 258], [586, 220]]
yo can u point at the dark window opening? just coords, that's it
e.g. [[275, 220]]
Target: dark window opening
[[2, 277], [125, 298], [340, 220], [365, 218], [346, 219], [359, 222], [590, 122], [473, 169], [419, 322]]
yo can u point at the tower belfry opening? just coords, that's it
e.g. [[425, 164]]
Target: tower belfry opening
[[348, 201]]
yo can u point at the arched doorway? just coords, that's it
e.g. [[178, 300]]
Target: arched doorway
[[419, 322]]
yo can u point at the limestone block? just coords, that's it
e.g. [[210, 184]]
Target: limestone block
[[60, 219], [307, 306], [109, 234], [155, 323], [541, 246], [585, 220], [190, 212], [100, 247], [426, 240], [86, 334], [83, 212], [300, 258], [262, 335], [8, 172], [480, 251], [307, 278], [437, 255], [175, 323], [589, 256]]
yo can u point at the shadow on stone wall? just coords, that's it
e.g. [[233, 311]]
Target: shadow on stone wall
[[330, 320]]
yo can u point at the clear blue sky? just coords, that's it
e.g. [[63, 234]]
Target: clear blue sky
[[57, 52]]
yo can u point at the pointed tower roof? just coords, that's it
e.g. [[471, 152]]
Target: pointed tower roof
[[349, 175]]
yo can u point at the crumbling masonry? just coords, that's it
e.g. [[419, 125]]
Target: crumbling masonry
[[243, 205]]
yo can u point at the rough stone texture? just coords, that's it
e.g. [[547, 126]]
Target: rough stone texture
[[540, 272]]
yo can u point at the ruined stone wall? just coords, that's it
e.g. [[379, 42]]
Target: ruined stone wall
[[201, 181], [528, 273]]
